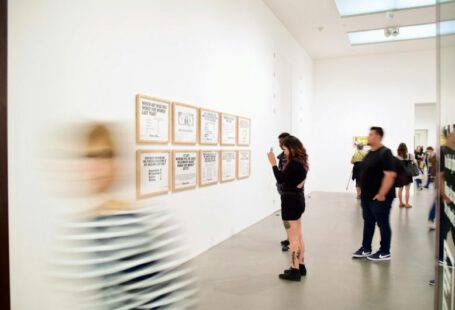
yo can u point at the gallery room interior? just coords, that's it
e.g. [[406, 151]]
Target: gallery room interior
[[135, 142]]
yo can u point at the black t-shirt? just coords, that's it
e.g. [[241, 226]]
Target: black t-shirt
[[291, 176], [372, 172]]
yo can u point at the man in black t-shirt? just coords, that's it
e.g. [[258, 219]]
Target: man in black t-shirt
[[377, 179]]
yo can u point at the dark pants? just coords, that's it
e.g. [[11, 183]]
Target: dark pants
[[432, 214], [376, 212], [430, 172]]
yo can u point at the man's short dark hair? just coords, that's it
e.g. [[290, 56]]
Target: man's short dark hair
[[283, 135], [378, 130]]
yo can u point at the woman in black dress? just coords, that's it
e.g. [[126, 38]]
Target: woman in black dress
[[292, 179]]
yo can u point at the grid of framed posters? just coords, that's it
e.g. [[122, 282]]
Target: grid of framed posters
[[152, 173], [160, 122], [209, 167], [184, 169], [243, 131], [209, 129], [243, 164], [185, 124], [153, 118], [228, 166], [228, 129]]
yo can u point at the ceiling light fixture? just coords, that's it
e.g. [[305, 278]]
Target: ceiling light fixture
[[391, 34], [359, 7]]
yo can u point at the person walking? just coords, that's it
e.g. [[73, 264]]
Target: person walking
[[408, 160], [430, 160], [356, 161], [281, 163], [377, 179], [292, 179], [420, 158]]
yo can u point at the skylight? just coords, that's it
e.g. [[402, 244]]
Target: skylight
[[358, 7], [391, 34]]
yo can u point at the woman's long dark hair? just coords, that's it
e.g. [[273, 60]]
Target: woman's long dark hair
[[402, 150], [296, 150]]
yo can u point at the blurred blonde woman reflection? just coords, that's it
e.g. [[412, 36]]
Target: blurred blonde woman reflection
[[356, 161], [408, 160], [116, 255]]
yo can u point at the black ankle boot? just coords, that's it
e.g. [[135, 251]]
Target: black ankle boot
[[291, 275], [302, 270]]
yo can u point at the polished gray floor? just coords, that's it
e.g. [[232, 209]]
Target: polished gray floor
[[241, 273]]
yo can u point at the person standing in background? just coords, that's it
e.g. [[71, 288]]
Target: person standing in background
[[377, 180], [356, 161], [420, 158], [430, 161], [281, 164], [408, 160], [292, 178]]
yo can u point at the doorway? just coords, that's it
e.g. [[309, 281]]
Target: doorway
[[425, 125], [420, 138]]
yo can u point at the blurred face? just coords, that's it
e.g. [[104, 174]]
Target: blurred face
[[451, 139], [286, 151], [280, 142], [373, 138], [100, 170]]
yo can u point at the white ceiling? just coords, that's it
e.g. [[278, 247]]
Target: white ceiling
[[318, 27]]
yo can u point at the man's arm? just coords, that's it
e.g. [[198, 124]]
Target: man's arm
[[387, 183]]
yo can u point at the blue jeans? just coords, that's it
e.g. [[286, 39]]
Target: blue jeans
[[418, 182], [376, 212], [432, 214], [429, 177]]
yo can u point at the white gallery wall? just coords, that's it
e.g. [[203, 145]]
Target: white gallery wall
[[86, 60], [447, 82], [352, 94], [426, 118]]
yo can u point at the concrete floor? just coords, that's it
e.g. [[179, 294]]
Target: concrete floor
[[242, 272]]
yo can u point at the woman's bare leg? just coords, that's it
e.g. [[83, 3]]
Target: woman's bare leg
[[407, 190], [295, 236], [400, 195]]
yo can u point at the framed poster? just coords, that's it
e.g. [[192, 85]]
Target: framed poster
[[228, 165], [209, 167], [209, 127], [152, 173], [243, 164], [184, 124], [228, 129], [185, 170], [153, 119], [243, 131]]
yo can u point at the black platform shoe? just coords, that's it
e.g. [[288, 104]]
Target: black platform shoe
[[291, 275], [302, 270]]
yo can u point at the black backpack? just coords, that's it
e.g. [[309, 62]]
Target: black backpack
[[403, 175]]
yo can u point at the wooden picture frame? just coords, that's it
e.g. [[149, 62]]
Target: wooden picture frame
[[205, 126], [243, 133], [217, 168], [228, 129], [185, 124], [141, 193], [228, 170], [176, 170], [240, 174], [150, 128]]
